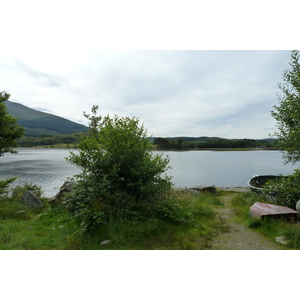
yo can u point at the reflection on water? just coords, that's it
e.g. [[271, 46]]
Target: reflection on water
[[45, 167], [49, 168], [224, 168]]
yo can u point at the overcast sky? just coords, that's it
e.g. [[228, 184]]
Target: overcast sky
[[174, 93], [46, 62]]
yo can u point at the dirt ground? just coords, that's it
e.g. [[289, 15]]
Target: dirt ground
[[239, 237]]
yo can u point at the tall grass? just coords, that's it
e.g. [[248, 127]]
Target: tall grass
[[188, 222]]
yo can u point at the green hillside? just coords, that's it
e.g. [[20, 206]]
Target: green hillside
[[38, 123]]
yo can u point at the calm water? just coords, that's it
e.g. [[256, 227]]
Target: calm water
[[49, 169]]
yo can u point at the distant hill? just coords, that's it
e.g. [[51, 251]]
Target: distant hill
[[38, 123]]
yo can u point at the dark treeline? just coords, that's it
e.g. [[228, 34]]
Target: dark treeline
[[48, 140], [212, 142], [161, 143]]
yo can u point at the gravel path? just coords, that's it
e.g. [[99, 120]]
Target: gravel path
[[239, 237]]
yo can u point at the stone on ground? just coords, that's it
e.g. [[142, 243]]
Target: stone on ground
[[67, 187], [281, 240], [106, 242], [298, 206], [31, 200], [205, 189]]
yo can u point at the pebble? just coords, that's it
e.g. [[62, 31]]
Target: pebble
[[298, 206], [281, 240], [105, 242]]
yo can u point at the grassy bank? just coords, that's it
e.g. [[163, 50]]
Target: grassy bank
[[269, 227], [54, 228]]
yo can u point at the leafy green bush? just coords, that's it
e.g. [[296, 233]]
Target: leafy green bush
[[173, 212], [120, 174], [286, 189], [180, 213], [10, 131]]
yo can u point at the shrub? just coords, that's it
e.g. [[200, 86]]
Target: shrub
[[4, 184], [120, 174], [286, 189]]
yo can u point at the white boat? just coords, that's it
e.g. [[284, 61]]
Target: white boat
[[257, 182]]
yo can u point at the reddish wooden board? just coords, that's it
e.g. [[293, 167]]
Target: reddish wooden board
[[259, 210]]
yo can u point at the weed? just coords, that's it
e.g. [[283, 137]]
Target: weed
[[255, 223], [292, 234], [212, 199]]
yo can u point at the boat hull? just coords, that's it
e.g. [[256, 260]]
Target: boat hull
[[257, 182]]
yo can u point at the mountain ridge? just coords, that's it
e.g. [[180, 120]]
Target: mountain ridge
[[38, 123]]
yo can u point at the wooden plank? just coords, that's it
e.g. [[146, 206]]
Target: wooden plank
[[260, 210]]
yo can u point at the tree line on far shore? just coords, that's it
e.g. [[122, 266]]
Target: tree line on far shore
[[160, 143], [212, 142], [49, 140]]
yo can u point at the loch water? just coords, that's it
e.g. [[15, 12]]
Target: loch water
[[49, 168]]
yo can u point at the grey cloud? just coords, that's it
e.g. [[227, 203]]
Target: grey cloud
[[41, 78]]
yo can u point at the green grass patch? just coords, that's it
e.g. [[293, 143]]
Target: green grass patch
[[189, 222], [269, 227], [41, 230]]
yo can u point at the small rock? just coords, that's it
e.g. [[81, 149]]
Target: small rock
[[105, 242], [31, 200], [298, 206], [281, 240], [67, 187], [29, 228], [205, 189]]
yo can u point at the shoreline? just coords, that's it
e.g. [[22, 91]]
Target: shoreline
[[241, 189], [159, 149], [216, 149], [235, 189]]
